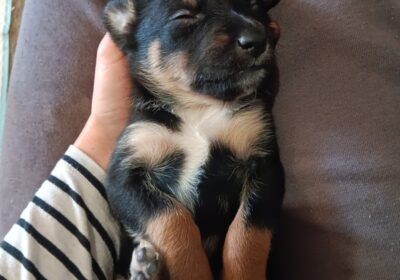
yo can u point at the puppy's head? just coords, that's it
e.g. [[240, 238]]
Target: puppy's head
[[185, 49]]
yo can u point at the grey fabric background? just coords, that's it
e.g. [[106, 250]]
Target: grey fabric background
[[337, 114], [338, 120], [50, 95]]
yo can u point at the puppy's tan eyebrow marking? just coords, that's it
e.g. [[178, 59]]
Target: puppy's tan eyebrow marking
[[190, 3]]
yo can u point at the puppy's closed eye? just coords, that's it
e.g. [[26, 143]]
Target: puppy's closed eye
[[186, 17]]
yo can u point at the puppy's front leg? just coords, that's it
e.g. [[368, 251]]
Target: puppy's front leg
[[143, 185], [177, 238], [167, 242], [246, 251], [248, 240]]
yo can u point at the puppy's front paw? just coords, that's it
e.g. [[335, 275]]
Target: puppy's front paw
[[146, 261]]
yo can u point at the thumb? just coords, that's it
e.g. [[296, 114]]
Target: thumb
[[108, 53]]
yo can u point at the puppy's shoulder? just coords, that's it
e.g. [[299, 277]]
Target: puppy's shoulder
[[247, 130]]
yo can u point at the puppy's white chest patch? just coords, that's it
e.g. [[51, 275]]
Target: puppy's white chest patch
[[198, 131], [201, 127]]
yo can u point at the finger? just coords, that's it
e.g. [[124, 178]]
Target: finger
[[111, 64], [275, 29], [108, 52]]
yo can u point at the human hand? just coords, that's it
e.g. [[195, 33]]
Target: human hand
[[111, 103]]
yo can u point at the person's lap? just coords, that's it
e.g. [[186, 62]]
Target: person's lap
[[336, 114]]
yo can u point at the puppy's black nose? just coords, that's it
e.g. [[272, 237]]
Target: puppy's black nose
[[252, 41]]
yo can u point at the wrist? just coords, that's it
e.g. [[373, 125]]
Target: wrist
[[97, 140]]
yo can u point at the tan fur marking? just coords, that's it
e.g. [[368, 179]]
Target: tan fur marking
[[190, 3], [246, 251], [149, 142], [173, 76], [169, 75], [177, 238], [243, 131], [221, 40], [122, 18]]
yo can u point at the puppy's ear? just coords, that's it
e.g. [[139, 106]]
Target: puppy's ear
[[269, 4], [119, 19]]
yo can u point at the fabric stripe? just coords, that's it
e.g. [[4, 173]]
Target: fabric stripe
[[63, 203], [56, 234], [87, 162], [50, 247], [93, 199], [44, 261], [93, 220], [71, 228], [20, 257], [86, 173]]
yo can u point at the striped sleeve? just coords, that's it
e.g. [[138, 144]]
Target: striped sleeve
[[67, 230]]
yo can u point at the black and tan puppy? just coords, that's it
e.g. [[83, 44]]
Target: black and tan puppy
[[196, 180]]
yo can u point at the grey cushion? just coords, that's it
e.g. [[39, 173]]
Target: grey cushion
[[50, 95], [338, 120]]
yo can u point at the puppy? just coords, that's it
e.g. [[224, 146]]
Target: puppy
[[195, 179]]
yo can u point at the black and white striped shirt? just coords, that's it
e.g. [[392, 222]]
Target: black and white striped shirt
[[67, 231]]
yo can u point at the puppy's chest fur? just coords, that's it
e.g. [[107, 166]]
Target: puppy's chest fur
[[204, 161]]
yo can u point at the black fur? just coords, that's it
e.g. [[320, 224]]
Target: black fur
[[133, 202], [220, 72], [148, 108]]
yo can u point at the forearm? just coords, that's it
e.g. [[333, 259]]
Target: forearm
[[98, 140], [67, 230]]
